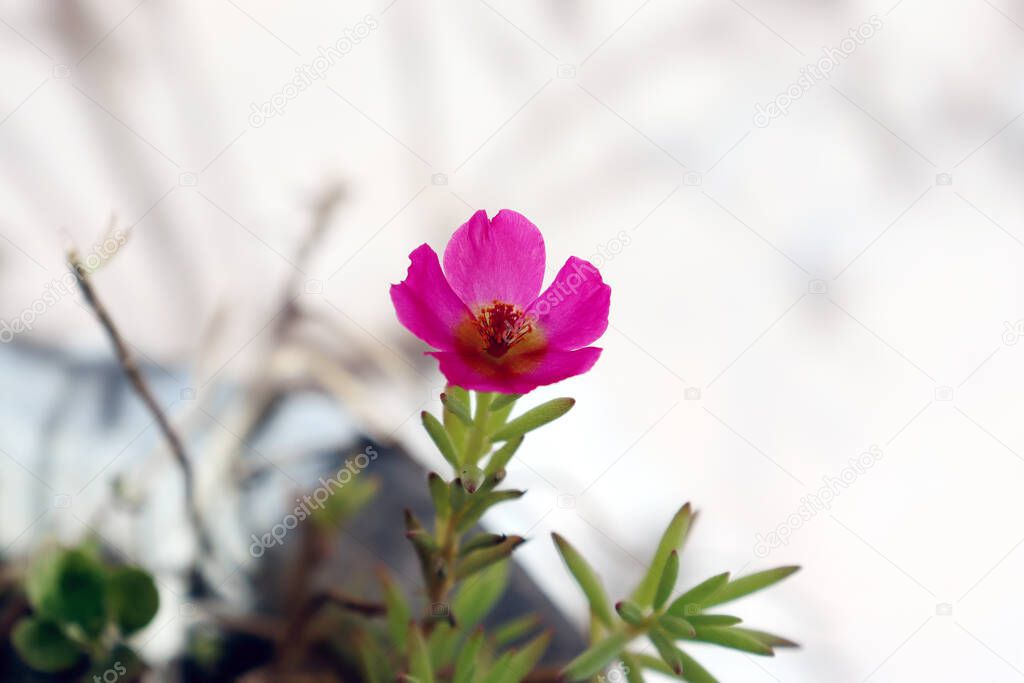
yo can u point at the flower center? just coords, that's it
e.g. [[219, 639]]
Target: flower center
[[501, 326]]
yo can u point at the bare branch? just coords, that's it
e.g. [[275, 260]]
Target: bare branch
[[131, 369]]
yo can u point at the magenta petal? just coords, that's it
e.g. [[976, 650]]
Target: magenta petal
[[522, 376], [573, 311], [425, 302], [501, 259]]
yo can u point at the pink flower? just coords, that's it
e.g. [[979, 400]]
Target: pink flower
[[494, 329]]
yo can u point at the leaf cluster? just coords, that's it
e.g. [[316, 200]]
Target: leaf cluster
[[82, 609]]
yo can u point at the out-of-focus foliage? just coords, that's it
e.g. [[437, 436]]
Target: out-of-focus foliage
[[82, 611]]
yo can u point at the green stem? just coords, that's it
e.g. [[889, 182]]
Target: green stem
[[478, 432], [477, 443], [440, 585]]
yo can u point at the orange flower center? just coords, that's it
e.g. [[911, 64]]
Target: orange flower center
[[501, 326]]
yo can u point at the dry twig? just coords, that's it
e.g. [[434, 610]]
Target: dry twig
[[131, 369]]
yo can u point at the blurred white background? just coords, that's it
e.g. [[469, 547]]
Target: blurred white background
[[785, 296]]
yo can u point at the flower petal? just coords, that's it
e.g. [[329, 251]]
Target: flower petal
[[501, 259], [520, 375], [425, 302], [573, 311]]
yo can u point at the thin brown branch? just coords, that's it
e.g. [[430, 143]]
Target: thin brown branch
[[131, 370], [323, 212]]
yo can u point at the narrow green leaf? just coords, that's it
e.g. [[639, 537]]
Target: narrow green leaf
[[477, 443], [769, 639], [441, 439], [498, 419], [630, 612], [668, 652], [500, 459], [652, 663], [43, 646], [413, 526], [521, 662], [495, 670], [481, 541], [504, 401], [587, 579], [459, 409], [677, 627], [399, 611], [133, 598], [371, 657], [530, 654], [731, 638], [485, 557], [491, 482], [668, 580], [694, 672], [515, 629], [692, 601], [341, 507], [673, 537], [453, 425], [458, 496], [499, 416], [595, 628], [420, 666], [632, 667], [748, 584], [714, 620], [439, 494], [443, 644], [534, 418], [465, 663], [477, 596], [411, 523], [596, 657], [423, 540], [481, 503]]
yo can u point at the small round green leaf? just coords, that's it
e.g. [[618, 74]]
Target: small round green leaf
[[43, 645], [134, 599], [69, 586]]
